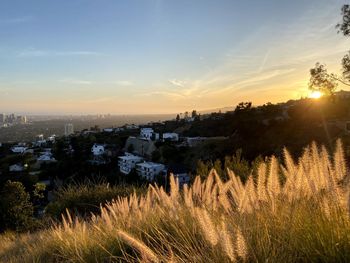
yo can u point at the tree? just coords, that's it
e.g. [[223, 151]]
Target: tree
[[186, 115], [194, 114], [323, 81], [344, 26], [16, 210], [39, 190], [243, 106], [178, 118]]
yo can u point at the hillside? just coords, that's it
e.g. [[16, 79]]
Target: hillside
[[288, 212]]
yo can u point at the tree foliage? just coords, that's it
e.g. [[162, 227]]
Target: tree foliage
[[16, 210], [323, 81]]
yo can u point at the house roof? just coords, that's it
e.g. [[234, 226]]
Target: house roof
[[130, 157], [150, 164]]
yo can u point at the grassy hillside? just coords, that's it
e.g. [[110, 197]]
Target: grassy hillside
[[292, 212]]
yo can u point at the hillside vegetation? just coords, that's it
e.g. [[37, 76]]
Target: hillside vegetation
[[297, 211]]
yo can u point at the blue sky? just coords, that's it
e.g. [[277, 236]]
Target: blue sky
[[159, 56]]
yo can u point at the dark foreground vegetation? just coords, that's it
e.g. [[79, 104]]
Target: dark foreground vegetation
[[294, 211]]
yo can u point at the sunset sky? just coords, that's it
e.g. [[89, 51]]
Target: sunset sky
[[161, 56]]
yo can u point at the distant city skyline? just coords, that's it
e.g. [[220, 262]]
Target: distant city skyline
[[159, 56]]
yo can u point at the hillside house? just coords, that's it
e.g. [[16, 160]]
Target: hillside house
[[98, 149], [180, 173], [46, 157], [16, 168], [170, 136], [131, 126], [128, 162], [149, 170], [18, 149], [146, 133]]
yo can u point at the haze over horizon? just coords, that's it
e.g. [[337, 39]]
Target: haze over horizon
[[158, 56]]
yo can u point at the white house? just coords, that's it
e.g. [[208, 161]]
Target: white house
[[98, 149], [18, 149], [131, 126], [52, 138], [46, 157], [170, 136], [108, 129], [148, 170], [16, 168], [146, 133], [128, 162]]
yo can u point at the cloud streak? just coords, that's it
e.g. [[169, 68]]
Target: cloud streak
[[16, 20], [76, 81], [32, 53]]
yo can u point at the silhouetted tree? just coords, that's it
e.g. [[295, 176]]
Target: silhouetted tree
[[194, 114], [242, 106], [326, 82], [321, 80]]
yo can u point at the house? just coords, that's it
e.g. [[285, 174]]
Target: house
[[16, 168], [146, 133], [46, 157], [128, 162], [18, 149], [149, 170], [52, 138], [180, 173], [98, 149], [170, 136], [131, 126], [108, 130]]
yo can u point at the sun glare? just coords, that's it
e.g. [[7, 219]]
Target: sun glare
[[315, 95]]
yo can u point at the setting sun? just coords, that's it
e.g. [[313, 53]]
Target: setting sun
[[315, 95]]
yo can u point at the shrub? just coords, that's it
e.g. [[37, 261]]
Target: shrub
[[86, 198], [16, 210]]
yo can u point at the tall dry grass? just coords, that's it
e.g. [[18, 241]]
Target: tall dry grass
[[297, 211]]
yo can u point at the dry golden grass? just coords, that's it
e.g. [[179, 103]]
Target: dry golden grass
[[297, 211]]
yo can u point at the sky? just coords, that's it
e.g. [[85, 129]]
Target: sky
[[161, 56]]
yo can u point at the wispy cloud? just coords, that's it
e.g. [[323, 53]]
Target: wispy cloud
[[16, 20], [53, 53], [76, 81], [178, 83]]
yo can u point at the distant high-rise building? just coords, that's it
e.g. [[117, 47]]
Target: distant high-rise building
[[68, 129], [2, 118]]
